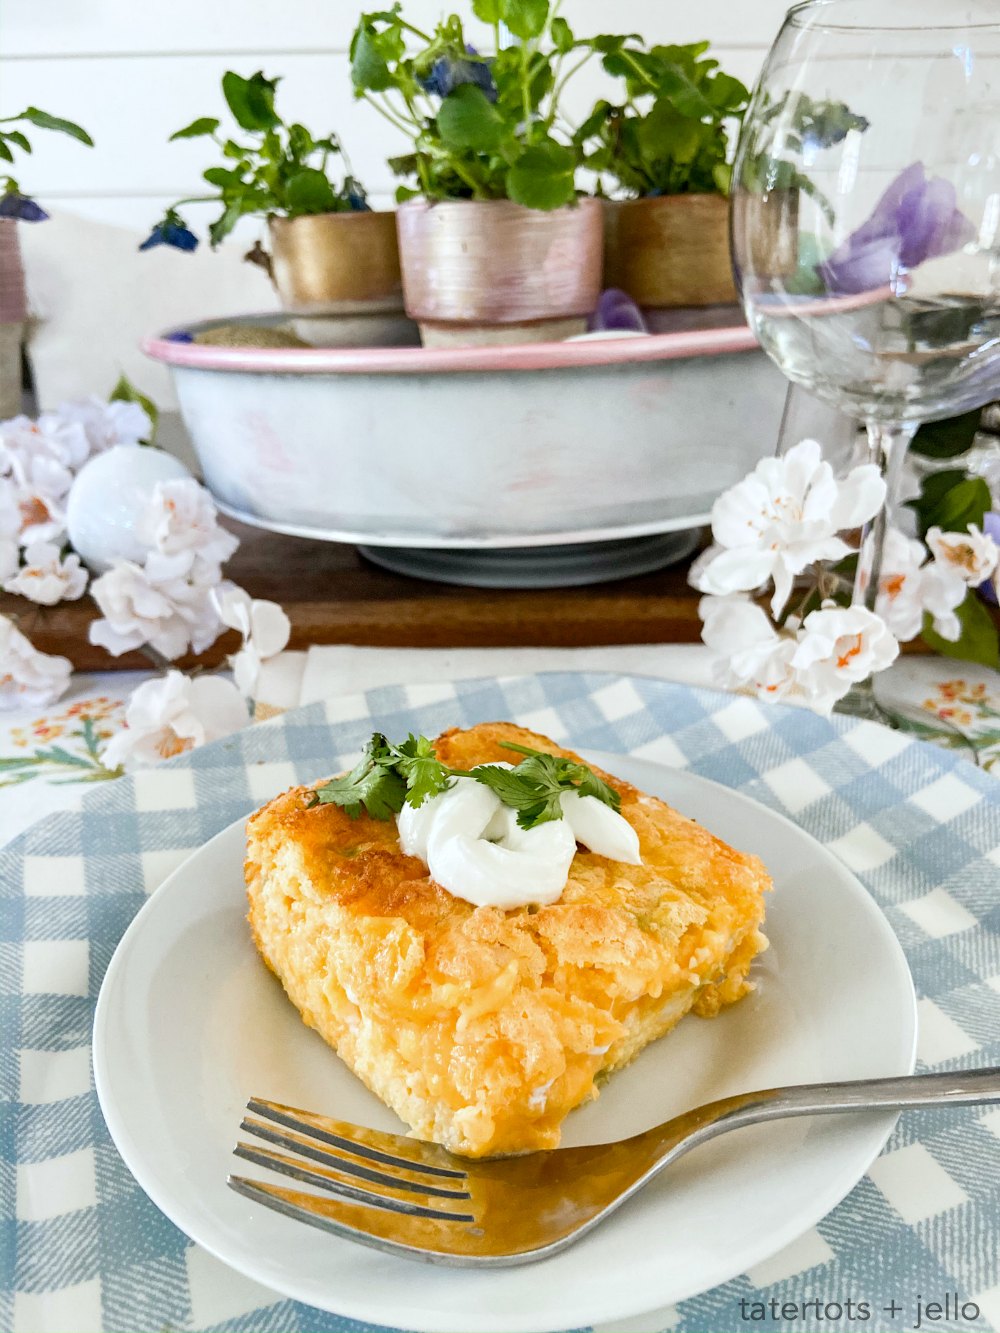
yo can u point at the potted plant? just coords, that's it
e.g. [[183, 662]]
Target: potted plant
[[17, 207], [495, 243], [666, 150], [330, 253]]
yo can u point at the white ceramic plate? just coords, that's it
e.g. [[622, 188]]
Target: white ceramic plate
[[190, 1023]]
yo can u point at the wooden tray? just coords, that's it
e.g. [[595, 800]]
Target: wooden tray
[[333, 595]]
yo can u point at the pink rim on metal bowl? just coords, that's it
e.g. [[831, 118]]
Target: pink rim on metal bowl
[[424, 360]]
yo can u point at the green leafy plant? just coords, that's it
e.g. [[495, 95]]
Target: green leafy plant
[[483, 126], [272, 167], [671, 133], [14, 204]]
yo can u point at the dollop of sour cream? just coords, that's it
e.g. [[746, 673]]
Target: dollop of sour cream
[[474, 847]]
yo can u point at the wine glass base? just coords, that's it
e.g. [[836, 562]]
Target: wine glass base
[[860, 702]]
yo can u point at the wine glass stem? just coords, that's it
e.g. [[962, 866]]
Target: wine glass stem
[[887, 446]]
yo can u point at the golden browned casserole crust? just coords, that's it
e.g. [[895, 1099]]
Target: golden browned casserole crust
[[482, 1028]]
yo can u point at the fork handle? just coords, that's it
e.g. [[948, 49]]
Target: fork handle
[[960, 1087], [963, 1087]]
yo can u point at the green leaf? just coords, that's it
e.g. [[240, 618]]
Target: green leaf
[[15, 136], [126, 392], [5, 152], [46, 122], [667, 135], [674, 82], [424, 773], [951, 501], [222, 226], [369, 68], [309, 191], [562, 35], [543, 177], [222, 177], [371, 783], [251, 100], [978, 642], [467, 119], [203, 125], [594, 123], [488, 10], [525, 18], [948, 438], [726, 93]]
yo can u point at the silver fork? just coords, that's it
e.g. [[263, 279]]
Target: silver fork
[[415, 1199]]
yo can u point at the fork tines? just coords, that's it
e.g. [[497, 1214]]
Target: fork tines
[[361, 1166]]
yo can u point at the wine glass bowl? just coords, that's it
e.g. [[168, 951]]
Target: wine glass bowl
[[866, 205], [865, 220]]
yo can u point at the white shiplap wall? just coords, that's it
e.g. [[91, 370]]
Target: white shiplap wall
[[134, 72]]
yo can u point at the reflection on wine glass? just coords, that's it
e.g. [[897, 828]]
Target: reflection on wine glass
[[866, 219]]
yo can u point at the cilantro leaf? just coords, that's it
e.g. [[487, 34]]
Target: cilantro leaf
[[423, 772], [373, 783]]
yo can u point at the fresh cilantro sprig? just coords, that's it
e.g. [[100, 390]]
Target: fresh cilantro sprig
[[388, 776], [424, 774], [534, 787], [373, 783]]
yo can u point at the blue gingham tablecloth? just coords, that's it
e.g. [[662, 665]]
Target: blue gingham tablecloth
[[82, 1250]]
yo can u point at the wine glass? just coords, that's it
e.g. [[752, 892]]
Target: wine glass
[[866, 220]]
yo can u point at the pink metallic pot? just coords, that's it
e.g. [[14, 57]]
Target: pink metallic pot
[[491, 271]]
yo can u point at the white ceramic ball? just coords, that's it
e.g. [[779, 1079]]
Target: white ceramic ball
[[107, 500]]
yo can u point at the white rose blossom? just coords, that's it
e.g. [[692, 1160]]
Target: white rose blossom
[[910, 585], [172, 714], [782, 518], [48, 578], [972, 554], [182, 520], [817, 660], [107, 424], [155, 604], [29, 678], [265, 629]]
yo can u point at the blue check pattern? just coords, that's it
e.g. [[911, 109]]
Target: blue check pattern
[[82, 1248]]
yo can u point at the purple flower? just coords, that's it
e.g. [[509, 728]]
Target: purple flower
[[991, 526], [915, 219], [356, 197], [14, 205], [616, 310], [448, 73], [171, 231]]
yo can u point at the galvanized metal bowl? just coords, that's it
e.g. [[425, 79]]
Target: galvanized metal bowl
[[477, 448]]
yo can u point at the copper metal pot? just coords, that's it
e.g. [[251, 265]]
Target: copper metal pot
[[336, 263], [491, 271], [670, 251]]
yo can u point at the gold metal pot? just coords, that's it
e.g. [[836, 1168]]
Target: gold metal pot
[[492, 271], [670, 251], [336, 263]]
